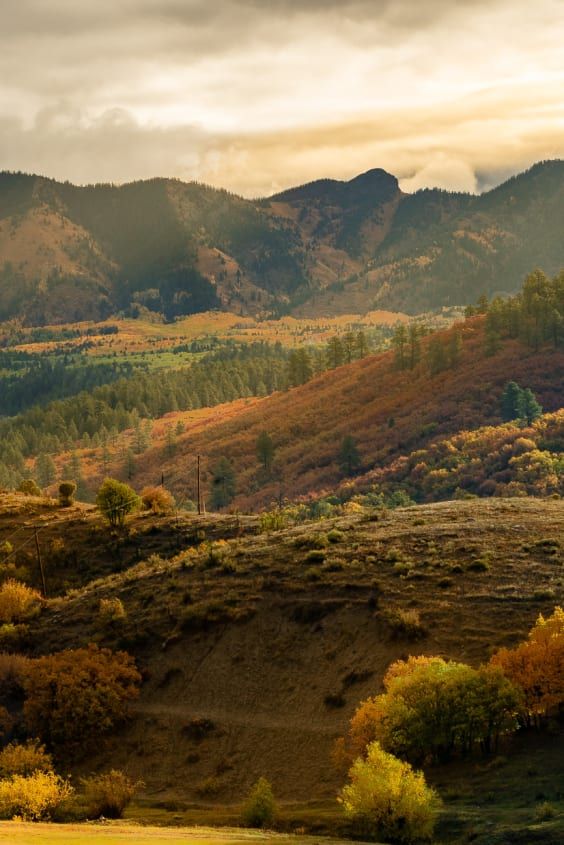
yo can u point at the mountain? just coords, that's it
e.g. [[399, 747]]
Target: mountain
[[328, 247]]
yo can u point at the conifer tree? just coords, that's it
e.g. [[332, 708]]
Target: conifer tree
[[223, 484], [265, 450], [349, 456]]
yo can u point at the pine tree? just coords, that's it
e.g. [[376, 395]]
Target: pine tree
[[349, 456], [45, 470], [130, 464], [414, 342], [530, 408], [512, 402], [223, 484], [265, 450], [335, 352], [399, 343]]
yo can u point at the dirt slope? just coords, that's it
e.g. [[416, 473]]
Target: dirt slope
[[255, 656]]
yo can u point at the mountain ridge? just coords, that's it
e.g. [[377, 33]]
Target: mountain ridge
[[169, 247]]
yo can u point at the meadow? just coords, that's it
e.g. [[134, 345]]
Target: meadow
[[23, 833]]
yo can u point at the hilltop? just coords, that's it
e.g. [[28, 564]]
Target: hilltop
[[71, 253]]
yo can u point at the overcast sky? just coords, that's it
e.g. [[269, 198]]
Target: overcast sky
[[258, 95]]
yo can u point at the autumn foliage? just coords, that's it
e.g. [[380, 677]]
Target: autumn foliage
[[75, 696], [433, 708], [387, 799], [536, 666], [17, 601]]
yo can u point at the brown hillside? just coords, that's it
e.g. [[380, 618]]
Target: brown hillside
[[255, 652], [388, 412]]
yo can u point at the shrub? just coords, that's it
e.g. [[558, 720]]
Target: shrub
[[273, 520], [111, 610], [33, 797], [17, 601], [404, 624], [387, 799], [67, 489], [115, 500], [73, 697], [107, 794], [259, 809], [29, 487], [315, 556], [335, 535], [16, 759], [157, 500]]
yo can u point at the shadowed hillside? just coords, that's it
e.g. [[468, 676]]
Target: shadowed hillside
[[162, 246]]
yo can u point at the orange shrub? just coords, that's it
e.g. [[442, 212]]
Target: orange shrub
[[72, 697], [157, 499], [537, 667]]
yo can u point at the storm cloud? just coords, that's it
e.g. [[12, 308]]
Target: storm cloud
[[257, 95]]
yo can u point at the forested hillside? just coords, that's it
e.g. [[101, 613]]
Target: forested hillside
[[167, 248]]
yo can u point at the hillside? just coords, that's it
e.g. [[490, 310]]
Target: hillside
[[256, 651], [72, 253], [390, 413]]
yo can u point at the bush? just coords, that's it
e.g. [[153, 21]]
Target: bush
[[73, 697], [16, 759], [157, 500], [259, 809], [115, 500], [111, 610], [34, 797], [387, 799], [29, 487], [107, 794], [404, 624], [67, 489], [17, 601]]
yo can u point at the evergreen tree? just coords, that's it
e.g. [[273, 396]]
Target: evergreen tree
[[512, 402], [223, 484], [335, 352], [170, 443], [45, 470], [531, 409], [265, 451], [414, 334], [400, 343], [349, 346], [361, 344], [130, 464], [349, 456]]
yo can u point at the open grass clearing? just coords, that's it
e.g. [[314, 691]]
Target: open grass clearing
[[28, 833]]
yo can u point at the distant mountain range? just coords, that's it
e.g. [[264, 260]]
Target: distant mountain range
[[328, 247]]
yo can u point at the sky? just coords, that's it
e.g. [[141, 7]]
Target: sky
[[259, 95]]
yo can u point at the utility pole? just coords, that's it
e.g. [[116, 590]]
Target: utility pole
[[40, 562], [199, 488]]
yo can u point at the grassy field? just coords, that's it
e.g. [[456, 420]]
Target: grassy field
[[25, 833]]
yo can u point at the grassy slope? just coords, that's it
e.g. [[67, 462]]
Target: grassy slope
[[17, 833], [307, 424], [256, 646]]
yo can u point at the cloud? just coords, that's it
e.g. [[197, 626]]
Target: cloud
[[258, 95]]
